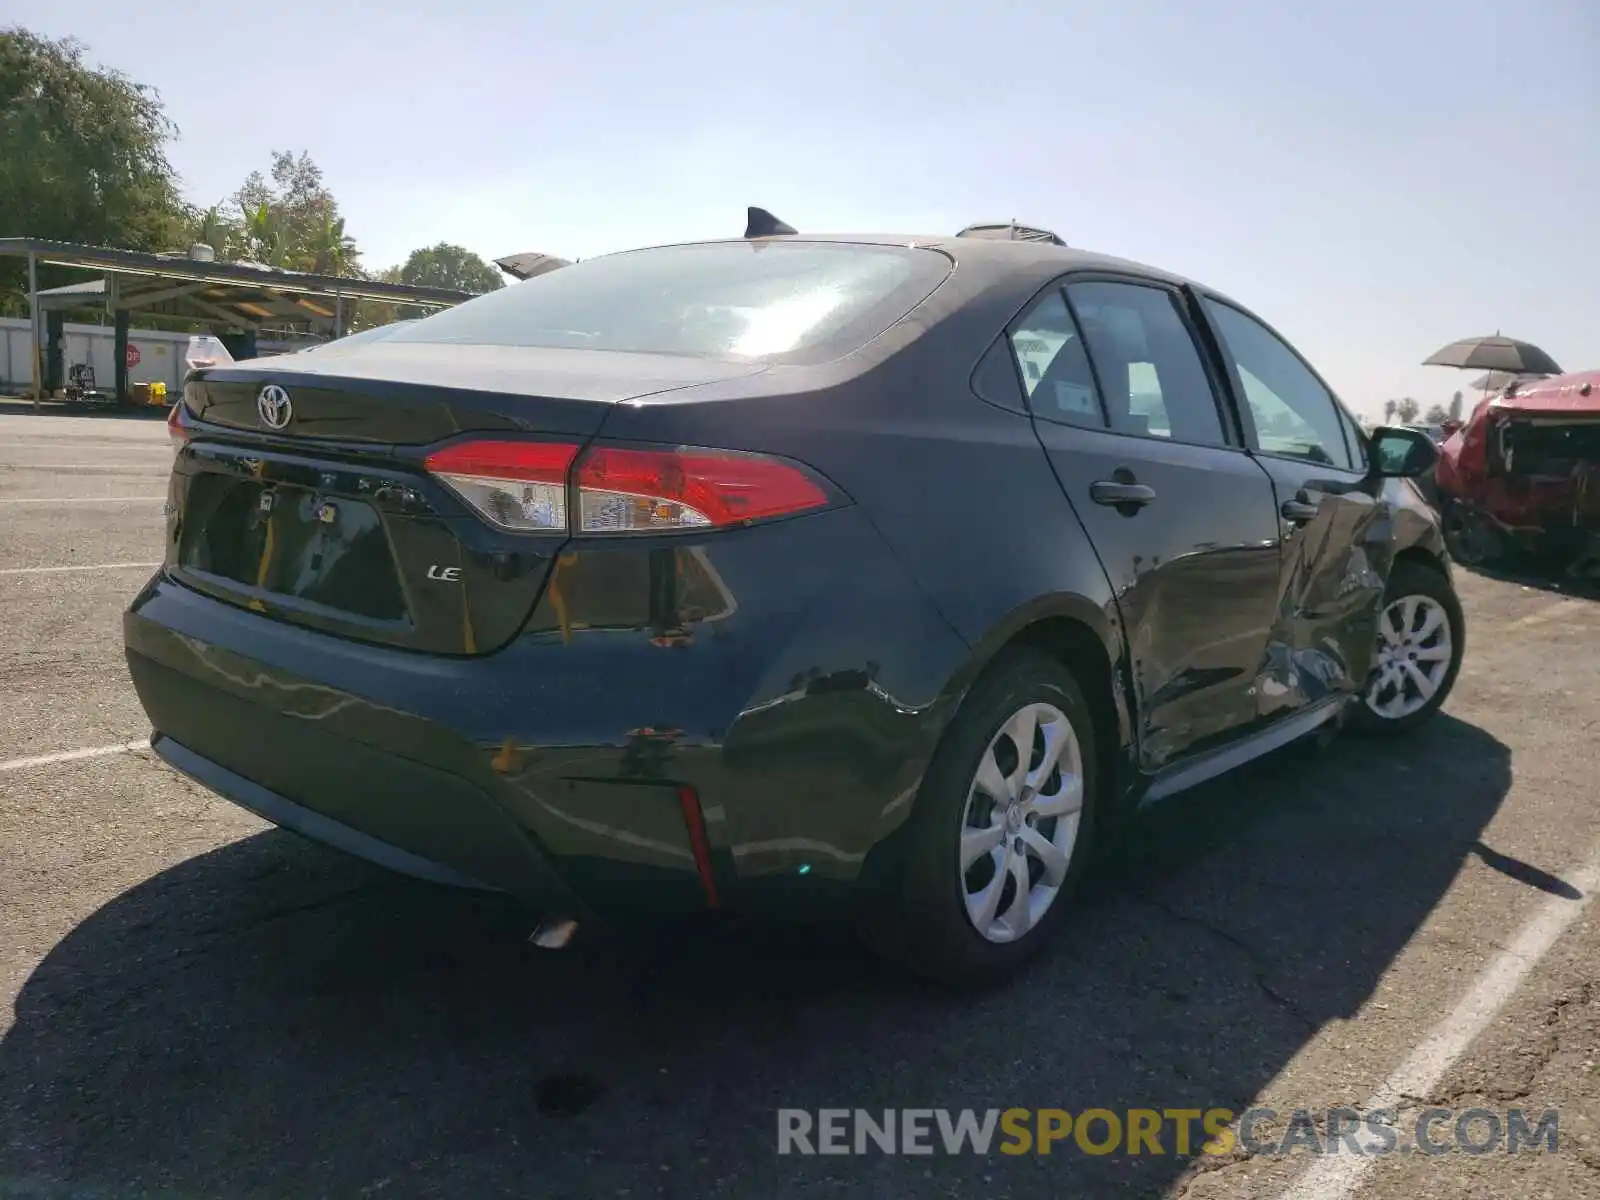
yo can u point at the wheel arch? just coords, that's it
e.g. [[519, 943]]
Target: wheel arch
[[1430, 573], [1085, 636], [1423, 556], [1088, 640], [1417, 535]]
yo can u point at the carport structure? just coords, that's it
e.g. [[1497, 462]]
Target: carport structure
[[232, 296]]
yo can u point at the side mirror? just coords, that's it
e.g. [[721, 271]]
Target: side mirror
[[1402, 453]]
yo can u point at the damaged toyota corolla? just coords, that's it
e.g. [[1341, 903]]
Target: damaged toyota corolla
[[1523, 475], [878, 575]]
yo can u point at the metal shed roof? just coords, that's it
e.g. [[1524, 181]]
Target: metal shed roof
[[246, 295], [232, 303]]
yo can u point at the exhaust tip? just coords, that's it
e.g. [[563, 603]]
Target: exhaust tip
[[553, 933]]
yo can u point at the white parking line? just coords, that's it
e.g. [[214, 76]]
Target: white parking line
[[45, 760], [117, 566], [80, 499], [1338, 1177]]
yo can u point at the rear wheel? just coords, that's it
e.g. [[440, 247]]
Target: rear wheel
[[1001, 829], [1421, 636]]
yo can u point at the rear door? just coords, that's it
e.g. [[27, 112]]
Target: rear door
[[1182, 518], [1332, 522]]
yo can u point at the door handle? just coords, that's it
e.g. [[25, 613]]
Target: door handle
[[1299, 510], [1119, 494]]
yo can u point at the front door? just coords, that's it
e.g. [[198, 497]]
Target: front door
[[1182, 517], [1333, 523]]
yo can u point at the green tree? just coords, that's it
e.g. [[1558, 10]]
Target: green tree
[[82, 156], [442, 266], [264, 239], [213, 228], [333, 252], [1406, 409], [289, 218], [1389, 407], [1437, 414], [449, 266], [1455, 407], [368, 314]]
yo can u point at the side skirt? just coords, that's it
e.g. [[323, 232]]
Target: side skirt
[[1182, 776]]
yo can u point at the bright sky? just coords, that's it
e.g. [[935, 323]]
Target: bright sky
[[1376, 178]]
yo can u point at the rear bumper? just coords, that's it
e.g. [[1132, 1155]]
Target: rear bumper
[[301, 771], [753, 756], [318, 827], [404, 792]]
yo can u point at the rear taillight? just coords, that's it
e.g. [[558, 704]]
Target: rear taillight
[[176, 429], [627, 490], [516, 485], [524, 486]]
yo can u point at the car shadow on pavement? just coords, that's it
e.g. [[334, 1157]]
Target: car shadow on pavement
[[270, 1019], [1544, 578]]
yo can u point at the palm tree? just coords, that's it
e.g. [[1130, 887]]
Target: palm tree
[[214, 230], [1389, 407], [332, 250], [265, 237]]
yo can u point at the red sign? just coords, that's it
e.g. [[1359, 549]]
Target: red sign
[[133, 356]]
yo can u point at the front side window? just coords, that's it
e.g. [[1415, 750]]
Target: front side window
[[1152, 378], [758, 301], [1293, 414], [1055, 370]]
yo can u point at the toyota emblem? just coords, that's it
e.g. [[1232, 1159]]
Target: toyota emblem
[[272, 403]]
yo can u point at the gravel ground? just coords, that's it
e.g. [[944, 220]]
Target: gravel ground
[[199, 1005]]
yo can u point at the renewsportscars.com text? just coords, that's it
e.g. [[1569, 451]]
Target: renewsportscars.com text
[[1180, 1131]]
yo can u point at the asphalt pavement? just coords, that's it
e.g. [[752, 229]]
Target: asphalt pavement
[[197, 1005]]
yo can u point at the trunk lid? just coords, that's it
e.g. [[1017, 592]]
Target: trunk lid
[[331, 521], [413, 394]]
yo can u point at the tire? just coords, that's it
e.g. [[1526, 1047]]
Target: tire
[[1421, 591], [923, 922], [1470, 538]]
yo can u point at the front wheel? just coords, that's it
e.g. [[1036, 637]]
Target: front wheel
[[1001, 829], [1470, 537], [1421, 636]]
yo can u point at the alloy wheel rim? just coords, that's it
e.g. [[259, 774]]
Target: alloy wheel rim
[[1414, 652], [1020, 824]]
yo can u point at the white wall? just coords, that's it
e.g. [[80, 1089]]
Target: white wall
[[160, 355]]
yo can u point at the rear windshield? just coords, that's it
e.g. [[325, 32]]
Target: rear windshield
[[761, 301]]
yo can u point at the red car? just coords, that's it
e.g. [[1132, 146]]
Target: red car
[[1523, 474]]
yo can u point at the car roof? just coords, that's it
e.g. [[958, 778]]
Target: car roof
[[991, 252]]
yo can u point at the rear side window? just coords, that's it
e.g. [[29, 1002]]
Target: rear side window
[[758, 301], [1151, 375], [1055, 370]]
